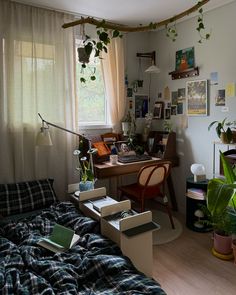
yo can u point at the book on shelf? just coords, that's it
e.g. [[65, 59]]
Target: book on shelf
[[61, 239], [196, 191], [101, 202]]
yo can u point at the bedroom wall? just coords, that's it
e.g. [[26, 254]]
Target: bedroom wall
[[195, 143]]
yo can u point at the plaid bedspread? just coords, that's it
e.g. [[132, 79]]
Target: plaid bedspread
[[93, 266]]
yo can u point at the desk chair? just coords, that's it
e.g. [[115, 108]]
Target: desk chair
[[150, 185]]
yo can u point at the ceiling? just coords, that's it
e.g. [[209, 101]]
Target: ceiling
[[129, 12]]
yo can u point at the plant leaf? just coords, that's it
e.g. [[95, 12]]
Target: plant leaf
[[229, 174]]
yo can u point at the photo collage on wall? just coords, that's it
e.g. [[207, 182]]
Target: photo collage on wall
[[171, 105]]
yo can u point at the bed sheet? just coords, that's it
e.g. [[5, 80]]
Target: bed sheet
[[95, 265]]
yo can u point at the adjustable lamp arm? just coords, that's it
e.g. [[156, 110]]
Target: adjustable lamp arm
[[56, 126]]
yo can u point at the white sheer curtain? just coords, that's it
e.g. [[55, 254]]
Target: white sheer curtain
[[114, 76], [37, 74]]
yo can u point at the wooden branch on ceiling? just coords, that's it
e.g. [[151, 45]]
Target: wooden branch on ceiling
[[124, 28]]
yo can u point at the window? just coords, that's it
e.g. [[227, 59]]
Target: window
[[91, 95]]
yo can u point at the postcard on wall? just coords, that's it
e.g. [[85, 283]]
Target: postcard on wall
[[167, 93], [214, 78], [230, 90], [141, 105], [157, 111], [220, 98], [197, 98], [180, 108], [173, 110], [181, 94], [174, 97], [184, 59], [167, 114]]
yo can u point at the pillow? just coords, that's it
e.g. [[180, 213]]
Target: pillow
[[26, 196]]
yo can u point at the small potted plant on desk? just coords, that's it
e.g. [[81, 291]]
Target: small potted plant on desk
[[221, 210], [223, 132], [85, 169]]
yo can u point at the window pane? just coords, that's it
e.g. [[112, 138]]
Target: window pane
[[92, 103]]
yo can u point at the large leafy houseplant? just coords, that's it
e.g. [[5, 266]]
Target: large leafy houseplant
[[221, 200]]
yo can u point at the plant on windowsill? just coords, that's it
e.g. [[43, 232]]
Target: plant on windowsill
[[85, 169], [223, 132], [232, 125]]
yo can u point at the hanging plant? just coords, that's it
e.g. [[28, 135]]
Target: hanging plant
[[171, 31], [98, 45], [201, 27]]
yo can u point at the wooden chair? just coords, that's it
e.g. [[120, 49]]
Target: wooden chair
[[150, 185]]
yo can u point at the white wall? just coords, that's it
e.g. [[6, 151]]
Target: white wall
[[216, 55]]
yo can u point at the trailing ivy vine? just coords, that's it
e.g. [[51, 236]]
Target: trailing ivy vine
[[201, 27]]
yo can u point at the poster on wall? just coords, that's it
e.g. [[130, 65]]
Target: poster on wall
[[184, 59], [141, 105], [197, 98], [220, 98]]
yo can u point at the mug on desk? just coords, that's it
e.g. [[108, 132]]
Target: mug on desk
[[113, 159]]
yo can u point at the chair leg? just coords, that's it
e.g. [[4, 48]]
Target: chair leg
[[170, 215]]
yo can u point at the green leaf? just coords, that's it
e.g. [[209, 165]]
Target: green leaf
[[212, 123], [229, 174], [99, 46], [103, 37], [201, 26], [200, 10], [218, 196], [82, 80], [93, 78], [207, 36], [199, 19], [83, 66], [115, 34], [88, 48], [105, 49]]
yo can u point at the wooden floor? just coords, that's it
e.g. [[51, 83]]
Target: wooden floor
[[187, 267]]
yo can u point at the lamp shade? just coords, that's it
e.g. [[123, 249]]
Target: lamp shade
[[43, 137], [153, 69], [197, 169]]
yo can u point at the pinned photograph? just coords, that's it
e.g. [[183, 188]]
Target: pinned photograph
[[220, 98], [173, 110], [167, 114], [181, 94], [180, 108], [157, 110], [174, 97]]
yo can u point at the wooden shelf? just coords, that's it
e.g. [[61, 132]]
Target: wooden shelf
[[192, 72]]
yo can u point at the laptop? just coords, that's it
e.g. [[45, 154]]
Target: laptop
[[127, 155]]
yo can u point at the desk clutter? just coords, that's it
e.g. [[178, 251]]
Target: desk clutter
[[130, 230]]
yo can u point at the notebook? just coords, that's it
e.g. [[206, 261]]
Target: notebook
[[61, 239]]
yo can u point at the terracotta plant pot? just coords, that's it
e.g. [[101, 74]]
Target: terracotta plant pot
[[234, 136], [224, 137], [222, 244], [234, 250]]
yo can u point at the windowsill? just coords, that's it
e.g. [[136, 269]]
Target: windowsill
[[94, 127]]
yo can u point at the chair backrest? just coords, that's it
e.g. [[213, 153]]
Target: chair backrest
[[154, 174]]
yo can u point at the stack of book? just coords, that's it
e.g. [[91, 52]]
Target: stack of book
[[196, 193]]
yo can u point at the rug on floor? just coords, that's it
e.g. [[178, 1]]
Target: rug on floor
[[165, 234]]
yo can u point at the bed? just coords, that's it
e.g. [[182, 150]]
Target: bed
[[95, 265]]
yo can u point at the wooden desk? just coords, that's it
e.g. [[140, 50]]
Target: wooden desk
[[107, 170]]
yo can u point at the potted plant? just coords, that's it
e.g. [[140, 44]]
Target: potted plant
[[126, 124], [223, 132], [221, 210], [85, 169], [232, 125]]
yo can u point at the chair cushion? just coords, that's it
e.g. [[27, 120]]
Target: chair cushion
[[26, 196], [134, 191]]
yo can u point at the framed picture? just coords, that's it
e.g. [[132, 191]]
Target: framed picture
[[174, 97], [197, 98], [173, 110], [141, 105], [180, 108], [184, 59], [167, 113], [157, 111]]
